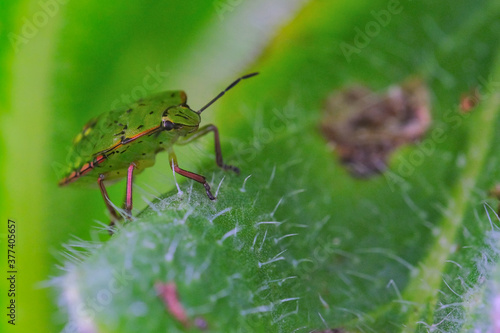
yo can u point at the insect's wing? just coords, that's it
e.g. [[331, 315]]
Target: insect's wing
[[103, 133], [95, 136]]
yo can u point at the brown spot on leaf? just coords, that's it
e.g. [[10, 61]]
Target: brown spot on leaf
[[469, 100], [495, 193], [366, 127]]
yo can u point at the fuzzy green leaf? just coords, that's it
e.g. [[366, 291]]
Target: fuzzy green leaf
[[294, 243]]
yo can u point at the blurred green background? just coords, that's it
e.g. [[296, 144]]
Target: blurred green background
[[63, 62]]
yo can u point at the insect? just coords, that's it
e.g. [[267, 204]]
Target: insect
[[122, 143]]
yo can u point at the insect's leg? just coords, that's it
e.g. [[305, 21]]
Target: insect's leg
[[107, 201], [218, 153], [128, 198], [192, 175]]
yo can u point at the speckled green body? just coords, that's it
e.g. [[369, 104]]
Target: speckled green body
[[108, 144]]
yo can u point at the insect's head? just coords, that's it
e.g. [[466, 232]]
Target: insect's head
[[180, 118], [184, 120]]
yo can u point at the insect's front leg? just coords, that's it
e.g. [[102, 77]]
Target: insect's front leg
[[128, 197], [218, 153], [107, 201], [188, 174]]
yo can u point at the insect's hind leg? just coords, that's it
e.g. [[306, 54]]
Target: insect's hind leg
[[107, 201], [188, 174], [218, 152]]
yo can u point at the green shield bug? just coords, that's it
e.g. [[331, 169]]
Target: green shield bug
[[122, 143]]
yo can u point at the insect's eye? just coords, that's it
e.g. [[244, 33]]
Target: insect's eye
[[168, 125]]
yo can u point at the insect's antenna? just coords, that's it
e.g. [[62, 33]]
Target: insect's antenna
[[225, 90]]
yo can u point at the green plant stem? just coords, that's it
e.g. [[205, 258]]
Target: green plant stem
[[423, 289]]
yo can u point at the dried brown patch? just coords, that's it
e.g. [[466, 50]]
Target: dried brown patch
[[495, 193], [366, 127], [469, 100]]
